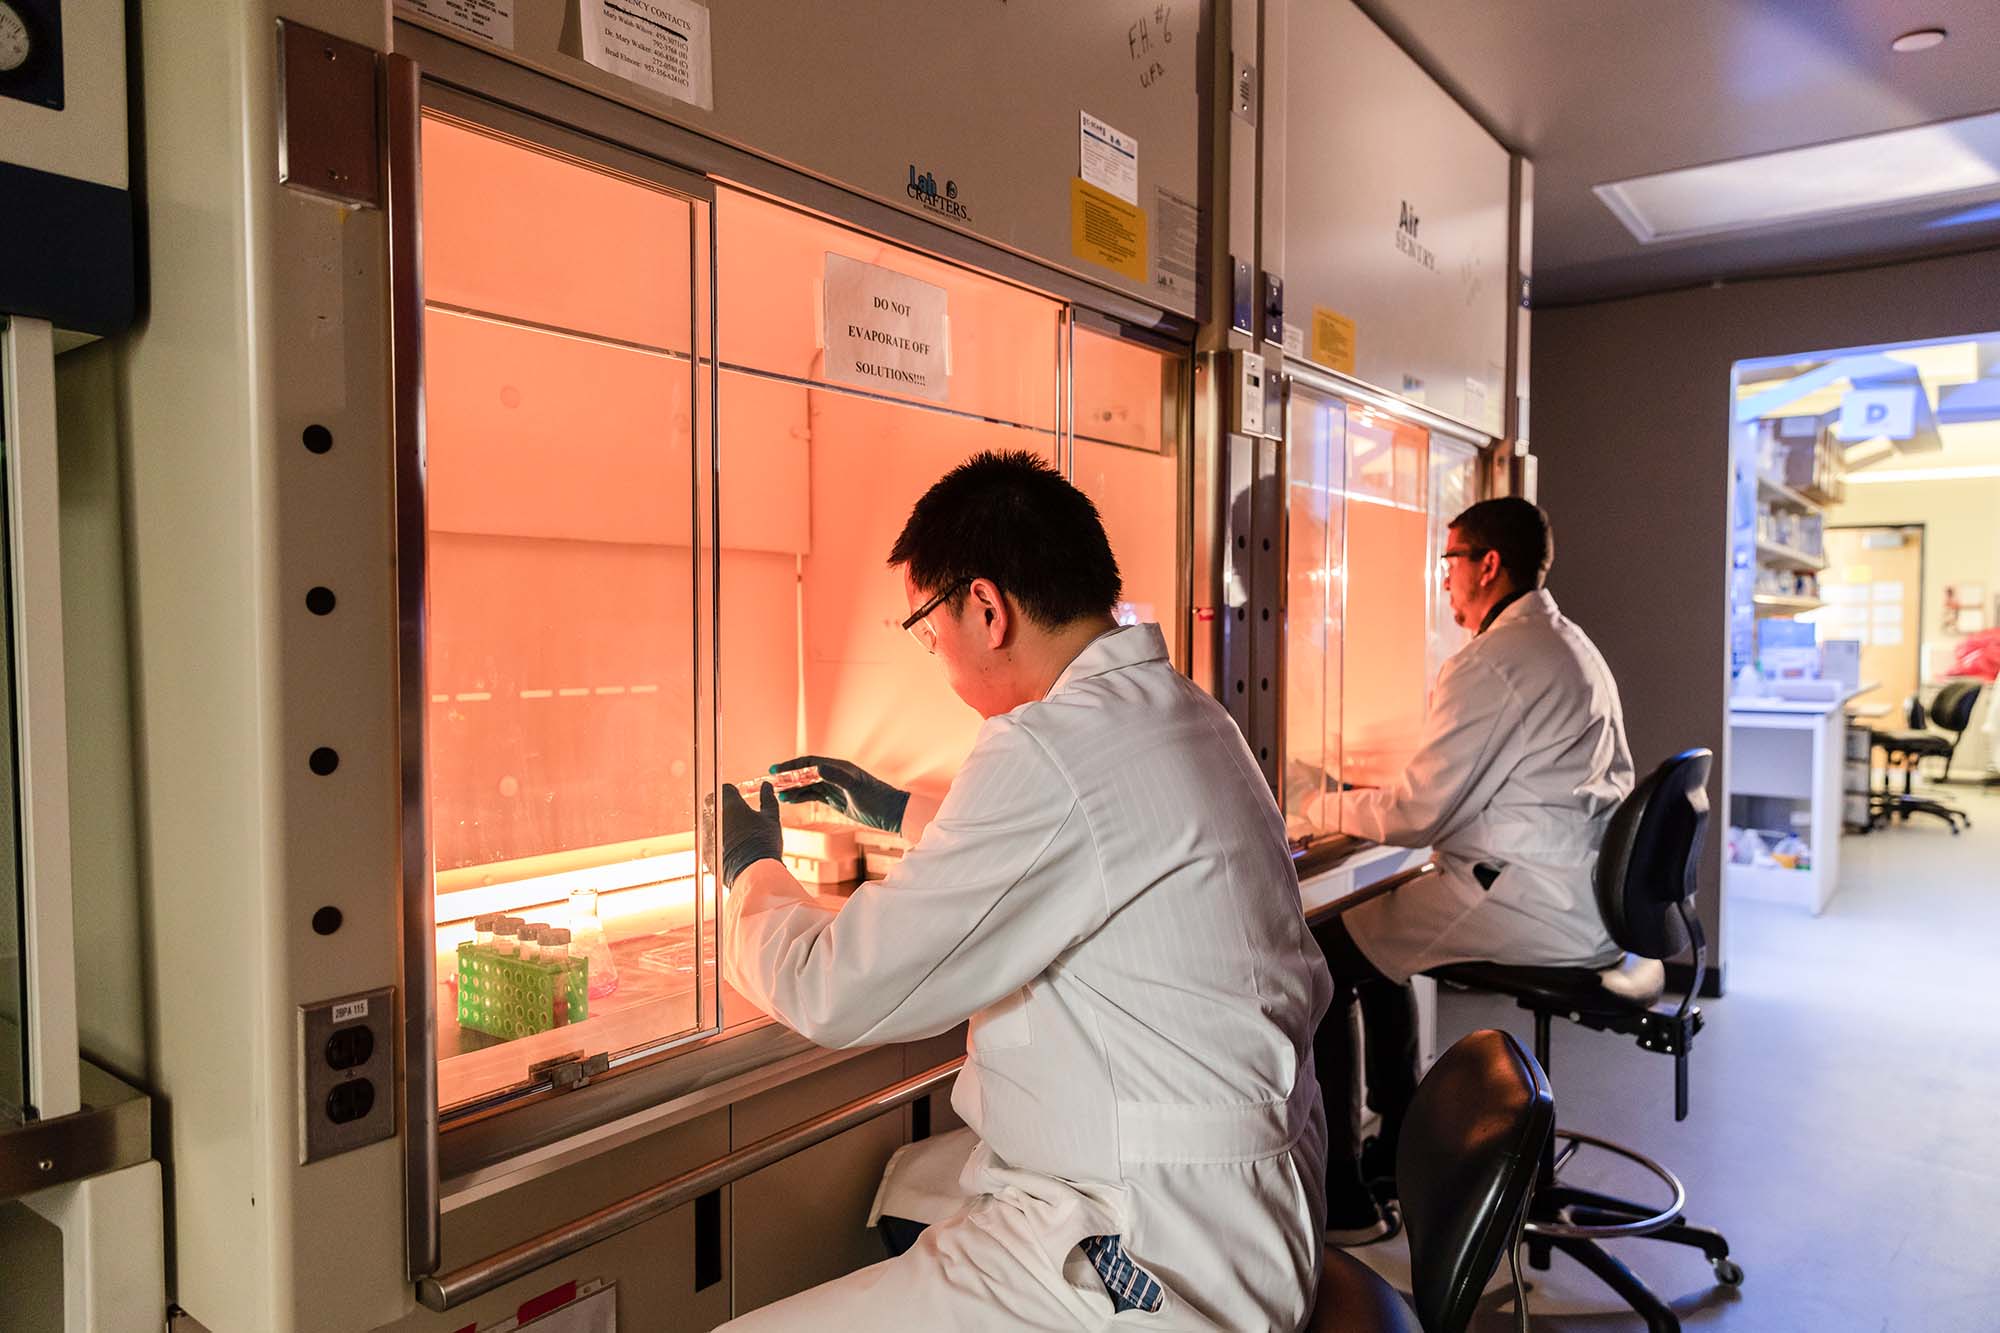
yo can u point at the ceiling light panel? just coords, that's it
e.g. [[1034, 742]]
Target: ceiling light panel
[[1939, 364], [1895, 170]]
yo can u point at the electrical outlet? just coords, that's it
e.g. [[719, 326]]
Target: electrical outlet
[[347, 1073]]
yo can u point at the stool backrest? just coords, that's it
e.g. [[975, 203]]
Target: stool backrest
[[1646, 864], [1951, 710], [1471, 1143]]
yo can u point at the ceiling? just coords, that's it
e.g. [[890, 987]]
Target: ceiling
[[1594, 92], [1966, 446]]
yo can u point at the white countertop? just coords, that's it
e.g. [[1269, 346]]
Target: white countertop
[[1805, 706], [1368, 864]]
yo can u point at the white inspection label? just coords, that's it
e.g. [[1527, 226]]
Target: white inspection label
[[1109, 159]]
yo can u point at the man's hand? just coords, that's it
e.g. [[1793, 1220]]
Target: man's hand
[[748, 835], [852, 790]]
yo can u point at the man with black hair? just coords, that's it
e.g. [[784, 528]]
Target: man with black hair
[[1522, 760], [1106, 894]]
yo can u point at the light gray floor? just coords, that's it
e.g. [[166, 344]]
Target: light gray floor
[[1845, 1130]]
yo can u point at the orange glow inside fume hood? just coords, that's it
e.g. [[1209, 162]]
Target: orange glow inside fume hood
[[569, 621]]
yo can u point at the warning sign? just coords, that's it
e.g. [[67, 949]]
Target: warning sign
[[1106, 230], [1333, 340], [885, 330]]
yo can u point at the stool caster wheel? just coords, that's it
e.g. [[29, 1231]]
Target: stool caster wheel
[[1728, 1272]]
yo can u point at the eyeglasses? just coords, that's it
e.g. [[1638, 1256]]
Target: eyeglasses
[[919, 625], [1459, 553]]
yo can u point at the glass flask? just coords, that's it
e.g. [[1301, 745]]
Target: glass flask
[[586, 934]]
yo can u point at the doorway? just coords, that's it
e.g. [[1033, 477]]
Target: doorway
[[1863, 486]]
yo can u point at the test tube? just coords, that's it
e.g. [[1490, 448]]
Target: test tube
[[531, 942], [507, 936], [482, 931], [788, 780], [555, 949]]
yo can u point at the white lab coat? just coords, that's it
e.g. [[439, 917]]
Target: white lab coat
[[1106, 893], [1522, 761]]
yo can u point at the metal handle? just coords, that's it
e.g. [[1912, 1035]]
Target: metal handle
[[449, 1290], [1373, 891], [402, 97]]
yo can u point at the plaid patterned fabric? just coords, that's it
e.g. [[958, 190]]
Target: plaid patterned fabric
[[1131, 1287]]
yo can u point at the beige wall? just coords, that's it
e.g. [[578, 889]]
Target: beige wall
[[1631, 402], [1961, 539]]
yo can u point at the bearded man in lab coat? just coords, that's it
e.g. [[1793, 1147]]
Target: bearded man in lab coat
[[1522, 760], [1106, 893]]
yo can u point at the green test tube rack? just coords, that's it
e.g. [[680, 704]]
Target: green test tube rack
[[508, 997]]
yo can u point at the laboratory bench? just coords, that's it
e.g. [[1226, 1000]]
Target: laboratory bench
[[1785, 773]]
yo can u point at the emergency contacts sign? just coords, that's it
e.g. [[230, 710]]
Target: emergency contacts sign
[[885, 330]]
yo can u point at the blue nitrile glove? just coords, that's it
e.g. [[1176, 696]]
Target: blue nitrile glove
[[748, 835], [855, 792]]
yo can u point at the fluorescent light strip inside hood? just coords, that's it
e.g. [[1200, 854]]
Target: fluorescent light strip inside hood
[[1953, 160]]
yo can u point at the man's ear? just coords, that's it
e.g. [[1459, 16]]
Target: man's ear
[[985, 598]]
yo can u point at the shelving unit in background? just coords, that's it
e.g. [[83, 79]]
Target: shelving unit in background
[[1856, 776], [1783, 768], [1780, 496], [1770, 603], [1784, 557], [1787, 469]]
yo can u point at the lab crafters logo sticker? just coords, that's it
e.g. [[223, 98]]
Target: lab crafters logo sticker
[[924, 190]]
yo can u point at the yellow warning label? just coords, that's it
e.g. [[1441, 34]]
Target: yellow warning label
[[1333, 340], [1106, 230]]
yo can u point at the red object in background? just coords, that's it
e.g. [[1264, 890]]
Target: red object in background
[[1977, 655], [553, 1299]]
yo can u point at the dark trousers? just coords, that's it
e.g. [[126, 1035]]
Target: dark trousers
[[899, 1233], [1388, 1012]]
